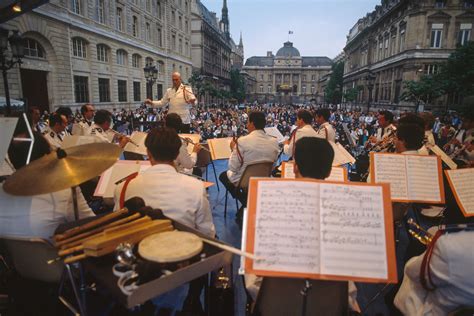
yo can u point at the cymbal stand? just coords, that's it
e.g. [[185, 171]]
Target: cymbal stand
[[74, 202]]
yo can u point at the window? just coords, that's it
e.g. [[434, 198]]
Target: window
[[313, 90], [76, 6], [187, 49], [270, 77], [148, 61], [180, 22], [432, 69], [148, 5], [186, 26], [303, 89], [261, 89], [32, 48], [173, 42], [173, 18], [161, 67], [468, 4], [160, 37], [136, 91], [303, 77], [135, 26], [121, 57], [119, 19], [122, 90], [180, 47], [269, 89], [436, 35], [147, 32], [464, 35], [79, 47], [81, 89], [313, 77], [439, 4], [104, 90], [102, 53], [158, 8], [136, 61], [101, 12], [402, 40]]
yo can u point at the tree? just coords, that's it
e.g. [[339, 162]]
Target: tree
[[197, 83], [425, 90], [333, 91], [237, 85], [351, 94]]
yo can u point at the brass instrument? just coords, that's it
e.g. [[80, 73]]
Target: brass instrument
[[386, 144], [419, 233]]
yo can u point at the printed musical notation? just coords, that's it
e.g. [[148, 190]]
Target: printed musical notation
[[412, 178], [318, 228], [461, 184], [338, 174]]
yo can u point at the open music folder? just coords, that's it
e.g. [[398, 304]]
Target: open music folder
[[139, 139], [220, 148], [338, 174], [341, 155], [274, 132], [315, 229], [412, 178], [462, 184]]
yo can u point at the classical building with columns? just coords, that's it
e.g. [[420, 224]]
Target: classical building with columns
[[286, 77], [401, 40], [80, 51]]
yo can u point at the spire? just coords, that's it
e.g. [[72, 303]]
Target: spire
[[241, 44], [225, 19]]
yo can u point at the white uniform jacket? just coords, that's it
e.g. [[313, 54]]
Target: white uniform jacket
[[452, 268], [54, 139], [38, 215], [386, 132], [185, 161], [180, 197], [82, 127], [255, 147], [327, 132], [177, 102], [100, 134], [305, 131]]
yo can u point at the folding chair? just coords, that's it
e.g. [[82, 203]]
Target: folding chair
[[204, 159]]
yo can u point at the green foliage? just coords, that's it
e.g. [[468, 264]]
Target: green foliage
[[333, 91], [351, 94], [237, 85], [425, 90]]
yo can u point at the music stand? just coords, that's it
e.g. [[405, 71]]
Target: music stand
[[287, 296]]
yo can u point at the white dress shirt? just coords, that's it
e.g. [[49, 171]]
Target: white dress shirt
[[255, 147], [452, 268], [326, 131], [177, 102], [305, 131], [180, 197], [38, 215], [185, 161]]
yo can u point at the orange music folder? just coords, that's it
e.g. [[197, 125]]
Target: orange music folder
[[220, 148], [462, 185], [412, 178], [307, 228]]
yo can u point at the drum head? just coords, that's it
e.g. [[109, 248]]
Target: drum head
[[170, 246]]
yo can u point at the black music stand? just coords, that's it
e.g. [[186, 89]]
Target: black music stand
[[285, 296]]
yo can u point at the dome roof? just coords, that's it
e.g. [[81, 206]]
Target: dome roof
[[288, 50]]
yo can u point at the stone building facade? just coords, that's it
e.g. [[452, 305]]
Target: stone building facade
[[80, 51], [401, 40], [286, 77]]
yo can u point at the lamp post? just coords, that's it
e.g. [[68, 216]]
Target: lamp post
[[6, 62], [370, 85], [151, 74]]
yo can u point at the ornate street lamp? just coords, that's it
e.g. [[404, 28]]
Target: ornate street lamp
[[151, 74], [7, 62], [370, 85]]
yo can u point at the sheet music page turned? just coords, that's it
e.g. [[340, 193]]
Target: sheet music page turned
[[220, 148], [446, 159], [391, 169], [309, 228], [461, 184], [287, 231], [341, 155], [139, 139], [353, 231], [274, 132]]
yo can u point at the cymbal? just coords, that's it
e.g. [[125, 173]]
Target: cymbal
[[62, 169]]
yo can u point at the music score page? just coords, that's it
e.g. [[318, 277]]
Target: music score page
[[462, 185]]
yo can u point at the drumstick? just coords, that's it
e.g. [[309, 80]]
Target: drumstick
[[95, 231], [91, 224], [230, 249]]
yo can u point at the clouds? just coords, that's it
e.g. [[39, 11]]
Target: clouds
[[319, 26]]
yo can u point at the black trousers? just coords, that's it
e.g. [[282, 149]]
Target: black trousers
[[241, 196], [185, 128]]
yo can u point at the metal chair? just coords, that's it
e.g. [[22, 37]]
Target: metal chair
[[204, 159], [256, 169]]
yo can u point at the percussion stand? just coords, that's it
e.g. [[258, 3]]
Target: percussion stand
[[304, 293], [74, 202]]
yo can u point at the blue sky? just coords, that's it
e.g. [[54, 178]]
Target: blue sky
[[319, 27]]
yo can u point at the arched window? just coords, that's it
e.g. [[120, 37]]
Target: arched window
[[161, 67], [79, 46], [136, 60], [121, 57], [102, 53], [33, 49], [148, 61]]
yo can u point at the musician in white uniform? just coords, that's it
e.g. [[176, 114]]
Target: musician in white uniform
[[304, 128], [83, 126], [38, 215], [102, 131], [386, 127], [54, 134], [325, 130], [180, 99], [180, 197]]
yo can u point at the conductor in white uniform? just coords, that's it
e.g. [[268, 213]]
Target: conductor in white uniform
[[180, 99]]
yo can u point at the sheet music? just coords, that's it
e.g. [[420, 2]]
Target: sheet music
[[392, 169], [74, 140], [7, 127], [341, 155], [445, 158], [287, 171], [287, 230], [352, 231], [462, 185], [274, 132], [423, 181], [139, 139], [337, 173], [195, 138], [220, 148]]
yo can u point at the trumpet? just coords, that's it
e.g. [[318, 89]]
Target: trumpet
[[419, 233], [122, 135], [387, 144]]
